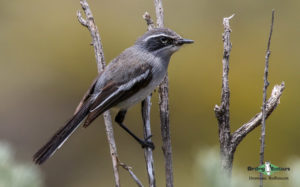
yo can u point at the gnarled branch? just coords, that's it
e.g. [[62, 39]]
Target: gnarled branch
[[222, 111], [228, 141], [246, 128]]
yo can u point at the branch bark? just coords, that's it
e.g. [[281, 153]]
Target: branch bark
[[89, 23], [246, 128], [149, 21], [266, 84], [164, 107], [159, 13], [146, 108], [163, 102], [129, 169], [165, 130], [222, 111], [228, 141]]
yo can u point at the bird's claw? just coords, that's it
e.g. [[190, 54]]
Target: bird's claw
[[148, 144]]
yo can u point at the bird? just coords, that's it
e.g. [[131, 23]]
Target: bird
[[125, 81]]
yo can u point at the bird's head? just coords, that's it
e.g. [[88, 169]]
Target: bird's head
[[162, 42]]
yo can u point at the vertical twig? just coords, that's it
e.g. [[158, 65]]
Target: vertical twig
[[222, 111], [146, 108], [90, 24], [165, 130], [159, 13], [164, 107], [266, 84]]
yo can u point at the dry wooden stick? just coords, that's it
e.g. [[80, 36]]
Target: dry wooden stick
[[149, 21], [228, 141], [129, 169], [146, 108], [89, 23], [266, 84], [164, 107], [159, 13], [163, 101], [222, 111], [248, 127]]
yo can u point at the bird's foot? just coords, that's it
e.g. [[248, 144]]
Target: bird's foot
[[147, 143]]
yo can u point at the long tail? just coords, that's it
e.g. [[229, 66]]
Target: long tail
[[61, 135]]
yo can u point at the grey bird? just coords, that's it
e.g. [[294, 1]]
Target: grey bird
[[125, 81]]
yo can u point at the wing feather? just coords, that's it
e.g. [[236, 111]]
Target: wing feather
[[114, 93], [87, 94]]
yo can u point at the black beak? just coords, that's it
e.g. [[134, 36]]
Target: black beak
[[182, 41]]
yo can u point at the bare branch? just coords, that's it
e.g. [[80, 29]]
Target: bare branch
[[149, 21], [246, 128], [222, 111], [146, 107], [165, 129], [164, 107], [129, 169], [266, 84], [228, 141], [159, 13], [90, 24], [81, 19]]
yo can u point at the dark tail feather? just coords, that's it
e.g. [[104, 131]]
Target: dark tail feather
[[61, 135], [92, 116]]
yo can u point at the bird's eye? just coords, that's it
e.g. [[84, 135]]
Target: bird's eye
[[164, 40]]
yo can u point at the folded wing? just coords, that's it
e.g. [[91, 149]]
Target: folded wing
[[115, 92]]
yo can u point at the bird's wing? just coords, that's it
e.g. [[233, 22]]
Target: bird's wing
[[87, 94], [114, 92]]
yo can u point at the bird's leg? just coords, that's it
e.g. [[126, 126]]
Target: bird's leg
[[120, 118]]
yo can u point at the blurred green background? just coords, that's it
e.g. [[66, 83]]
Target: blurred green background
[[46, 65]]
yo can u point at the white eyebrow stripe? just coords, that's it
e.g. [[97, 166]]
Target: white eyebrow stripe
[[126, 86], [154, 36]]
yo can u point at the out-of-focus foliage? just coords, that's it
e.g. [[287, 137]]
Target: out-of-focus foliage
[[208, 168], [14, 173], [294, 163], [208, 165]]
